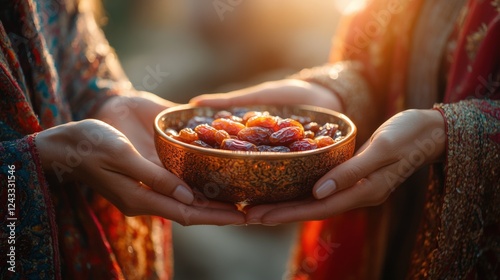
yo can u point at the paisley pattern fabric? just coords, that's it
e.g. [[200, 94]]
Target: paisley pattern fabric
[[447, 226], [35, 234], [56, 66]]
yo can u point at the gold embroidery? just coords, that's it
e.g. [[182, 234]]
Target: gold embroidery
[[474, 40], [462, 213]]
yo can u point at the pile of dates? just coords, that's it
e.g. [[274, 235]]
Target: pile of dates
[[256, 132]]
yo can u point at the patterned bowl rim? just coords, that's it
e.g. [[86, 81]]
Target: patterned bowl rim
[[254, 155]]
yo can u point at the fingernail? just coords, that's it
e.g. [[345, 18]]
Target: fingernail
[[183, 195], [325, 189]]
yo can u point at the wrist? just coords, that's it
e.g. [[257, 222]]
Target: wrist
[[437, 133], [303, 92], [330, 98], [51, 145]]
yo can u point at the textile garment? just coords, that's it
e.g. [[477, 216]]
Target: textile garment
[[56, 66], [444, 222]]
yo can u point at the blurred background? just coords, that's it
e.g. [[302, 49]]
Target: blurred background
[[182, 48]]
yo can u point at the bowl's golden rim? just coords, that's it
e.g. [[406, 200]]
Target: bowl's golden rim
[[254, 155]]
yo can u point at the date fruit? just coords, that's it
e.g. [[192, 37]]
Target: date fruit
[[254, 131], [305, 144], [286, 135], [255, 134], [238, 145]]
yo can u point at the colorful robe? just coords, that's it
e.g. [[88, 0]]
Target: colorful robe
[[399, 54], [56, 66]]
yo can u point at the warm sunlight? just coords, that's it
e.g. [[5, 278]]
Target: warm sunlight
[[349, 6]]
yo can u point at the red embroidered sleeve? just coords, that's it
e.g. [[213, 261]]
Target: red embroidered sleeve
[[462, 229]]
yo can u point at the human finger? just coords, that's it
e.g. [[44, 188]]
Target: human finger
[[195, 214], [255, 213], [153, 203], [348, 173], [279, 92], [362, 148], [202, 201], [370, 191], [206, 212], [157, 178], [134, 198]]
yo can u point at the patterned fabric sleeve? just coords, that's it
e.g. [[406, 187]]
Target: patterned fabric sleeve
[[28, 236], [90, 72], [467, 210]]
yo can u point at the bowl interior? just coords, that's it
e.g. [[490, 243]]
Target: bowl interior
[[177, 118]]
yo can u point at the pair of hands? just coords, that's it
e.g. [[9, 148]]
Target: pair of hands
[[397, 149], [116, 156]]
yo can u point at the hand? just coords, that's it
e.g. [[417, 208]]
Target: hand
[[395, 151], [134, 116], [95, 153], [281, 92]]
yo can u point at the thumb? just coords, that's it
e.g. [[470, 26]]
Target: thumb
[[349, 173]]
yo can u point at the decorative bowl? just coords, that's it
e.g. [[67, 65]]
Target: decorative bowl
[[251, 177]]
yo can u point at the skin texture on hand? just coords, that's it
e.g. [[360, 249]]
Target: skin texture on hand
[[134, 116], [396, 150], [282, 92], [127, 171]]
